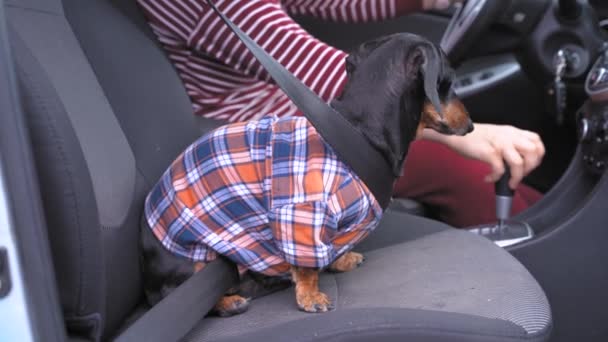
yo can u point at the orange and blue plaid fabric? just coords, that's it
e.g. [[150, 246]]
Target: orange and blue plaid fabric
[[266, 194]]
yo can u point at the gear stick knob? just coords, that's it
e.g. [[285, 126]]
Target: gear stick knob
[[506, 232], [504, 196]]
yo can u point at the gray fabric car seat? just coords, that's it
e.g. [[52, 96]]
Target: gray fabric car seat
[[107, 114]]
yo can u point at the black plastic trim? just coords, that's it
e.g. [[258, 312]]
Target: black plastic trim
[[569, 262], [563, 200], [5, 274]]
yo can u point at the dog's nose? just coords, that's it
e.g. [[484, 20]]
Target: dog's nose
[[471, 127]]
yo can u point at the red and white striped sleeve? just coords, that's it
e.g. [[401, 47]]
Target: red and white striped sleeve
[[222, 77], [352, 11], [318, 65], [174, 19]]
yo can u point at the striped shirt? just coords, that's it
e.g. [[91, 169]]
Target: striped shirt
[[266, 194], [223, 79]]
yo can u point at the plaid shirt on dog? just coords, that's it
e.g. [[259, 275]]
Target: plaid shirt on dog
[[266, 194]]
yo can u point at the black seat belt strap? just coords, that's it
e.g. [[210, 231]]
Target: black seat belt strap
[[176, 314], [346, 141]]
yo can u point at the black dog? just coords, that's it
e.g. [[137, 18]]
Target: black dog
[[397, 86]]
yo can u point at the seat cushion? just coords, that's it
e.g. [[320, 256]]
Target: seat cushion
[[449, 285]]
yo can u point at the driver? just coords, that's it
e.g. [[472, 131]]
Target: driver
[[450, 174]]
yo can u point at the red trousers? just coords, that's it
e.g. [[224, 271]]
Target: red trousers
[[454, 185]]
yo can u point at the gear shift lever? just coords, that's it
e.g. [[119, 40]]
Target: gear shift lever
[[506, 232], [504, 197]]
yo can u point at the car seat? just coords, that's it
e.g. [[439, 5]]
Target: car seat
[[107, 114]]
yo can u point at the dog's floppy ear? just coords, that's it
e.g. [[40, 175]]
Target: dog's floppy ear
[[430, 68]]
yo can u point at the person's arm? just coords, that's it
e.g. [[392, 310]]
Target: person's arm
[[522, 150], [321, 67], [318, 65], [360, 11]]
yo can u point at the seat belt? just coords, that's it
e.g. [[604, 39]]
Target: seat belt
[[348, 143], [175, 315]]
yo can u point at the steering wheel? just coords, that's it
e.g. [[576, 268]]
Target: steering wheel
[[468, 23]]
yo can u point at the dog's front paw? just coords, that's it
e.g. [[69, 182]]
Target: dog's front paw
[[314, 302], [347, 262], [231, 305]]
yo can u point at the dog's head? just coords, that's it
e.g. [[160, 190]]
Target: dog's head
[[418, 70]]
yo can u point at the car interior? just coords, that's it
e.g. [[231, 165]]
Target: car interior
[[99, 113]]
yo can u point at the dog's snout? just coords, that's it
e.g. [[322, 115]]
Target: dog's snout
[[456, 130], [458, 118], [471, 127], [464, 129]]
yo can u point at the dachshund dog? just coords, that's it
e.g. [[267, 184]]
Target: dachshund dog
[[397, 86]]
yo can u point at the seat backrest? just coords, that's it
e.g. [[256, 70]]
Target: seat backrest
[[107, 114]]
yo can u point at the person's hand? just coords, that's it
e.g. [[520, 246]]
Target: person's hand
[[522, 150], [438, 4]]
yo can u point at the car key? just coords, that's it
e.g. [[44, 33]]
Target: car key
[[559, 87]]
